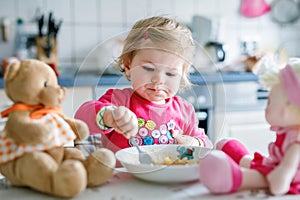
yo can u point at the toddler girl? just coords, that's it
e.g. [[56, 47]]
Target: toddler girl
[[156, 60]]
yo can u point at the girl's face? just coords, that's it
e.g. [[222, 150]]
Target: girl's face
[[155, 74]]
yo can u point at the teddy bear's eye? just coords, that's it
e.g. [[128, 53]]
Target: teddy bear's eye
[[45, 84]]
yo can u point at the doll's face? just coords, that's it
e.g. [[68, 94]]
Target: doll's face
[[277, 111]]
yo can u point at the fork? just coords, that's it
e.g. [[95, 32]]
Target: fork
[[144, 157]]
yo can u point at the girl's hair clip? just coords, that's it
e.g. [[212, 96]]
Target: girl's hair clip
[[146, 36]]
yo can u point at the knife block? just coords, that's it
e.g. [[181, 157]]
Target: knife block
[[47, 49]]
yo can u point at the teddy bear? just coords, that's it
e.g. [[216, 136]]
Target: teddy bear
[[32, 144], [230, 167]]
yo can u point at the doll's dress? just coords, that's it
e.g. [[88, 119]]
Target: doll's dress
[[265, 164], [59, 129]]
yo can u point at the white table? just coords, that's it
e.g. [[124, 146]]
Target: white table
[[123, 186]]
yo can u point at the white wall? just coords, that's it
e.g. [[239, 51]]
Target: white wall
[[87, 23]]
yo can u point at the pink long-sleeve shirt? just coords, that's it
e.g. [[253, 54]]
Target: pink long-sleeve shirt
[[156, 121]]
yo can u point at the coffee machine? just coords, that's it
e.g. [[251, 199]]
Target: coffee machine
[[210, 52]]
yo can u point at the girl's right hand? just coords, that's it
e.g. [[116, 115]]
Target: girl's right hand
[[124, 121]]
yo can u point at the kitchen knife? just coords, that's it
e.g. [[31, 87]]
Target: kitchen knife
[[40, 25]]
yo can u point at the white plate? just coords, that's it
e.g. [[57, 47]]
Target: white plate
[[164, 173]]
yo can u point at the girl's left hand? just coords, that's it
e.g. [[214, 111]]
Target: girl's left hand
[[186, 139]]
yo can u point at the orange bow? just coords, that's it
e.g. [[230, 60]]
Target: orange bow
[[38, 111]]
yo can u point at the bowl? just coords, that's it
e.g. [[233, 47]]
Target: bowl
[[171, 163]]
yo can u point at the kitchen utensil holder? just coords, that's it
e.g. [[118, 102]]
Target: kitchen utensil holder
[[47, 50]]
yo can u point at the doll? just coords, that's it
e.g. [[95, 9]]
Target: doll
[[230, 168]]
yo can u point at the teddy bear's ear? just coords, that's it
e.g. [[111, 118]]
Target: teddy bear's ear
[[12, 70]]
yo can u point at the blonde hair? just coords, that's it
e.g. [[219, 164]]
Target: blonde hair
[[159, 33], [269, 76], [269, 71]]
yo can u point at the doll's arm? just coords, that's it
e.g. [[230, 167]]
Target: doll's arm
[[281, 177]]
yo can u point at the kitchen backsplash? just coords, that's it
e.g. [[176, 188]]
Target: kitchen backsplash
[[88, 24]]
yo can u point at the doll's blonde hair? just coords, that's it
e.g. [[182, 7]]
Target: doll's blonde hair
[[159, 33], [269, 71], [269, 76]]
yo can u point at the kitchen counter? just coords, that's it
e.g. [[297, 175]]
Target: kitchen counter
[[70, 79]]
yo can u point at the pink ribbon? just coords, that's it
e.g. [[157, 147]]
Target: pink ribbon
[[291, 84]]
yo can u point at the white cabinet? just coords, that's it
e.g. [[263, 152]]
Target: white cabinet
[[240, 114], [250, 127], [5, 102], [75, 96]]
